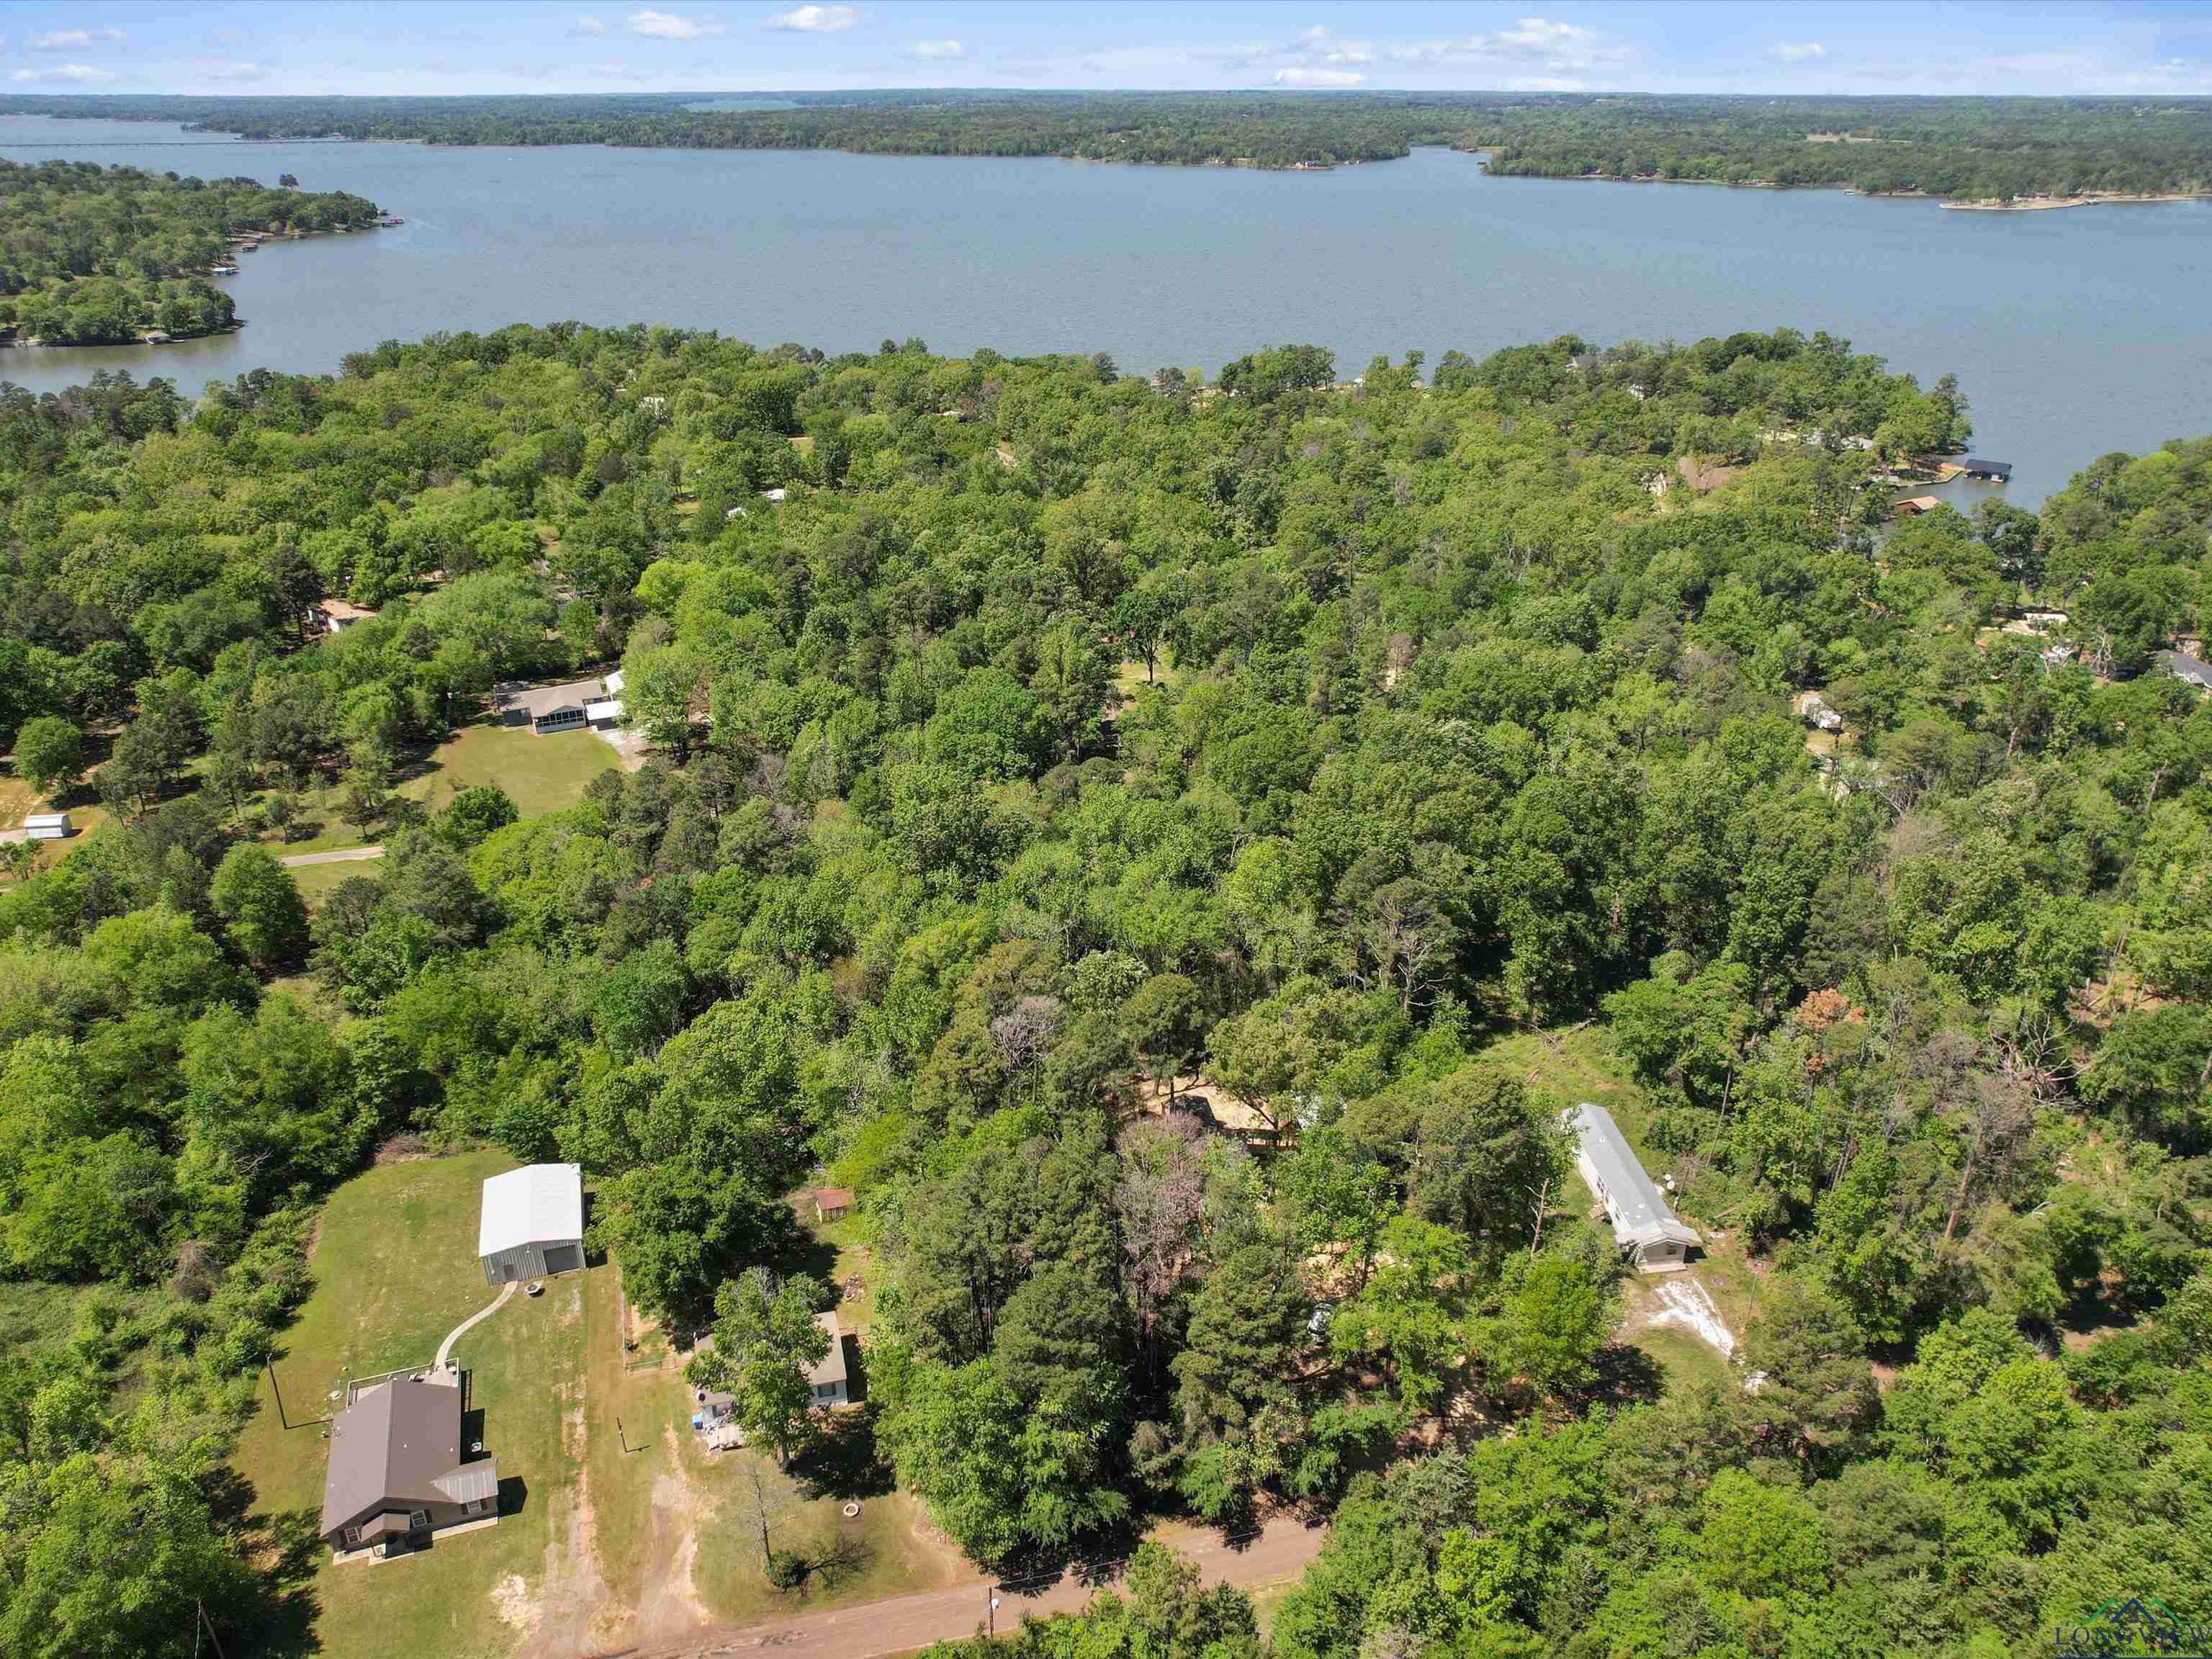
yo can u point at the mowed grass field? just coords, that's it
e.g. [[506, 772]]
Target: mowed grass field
[[540, 775], [395, 1269], [622, 1531]]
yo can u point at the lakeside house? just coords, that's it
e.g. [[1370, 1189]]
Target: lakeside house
[[569, 706], [396, 1474], [1913, 506], [533, 1223], [1644, 1225]]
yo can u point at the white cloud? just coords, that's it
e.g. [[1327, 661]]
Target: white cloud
[[1318, 77], [588, 24], [72, 39], [82, 73], [1320, 44], [672, 25], [1535, 37], [935, 51], [816, 20], [1796, 52]]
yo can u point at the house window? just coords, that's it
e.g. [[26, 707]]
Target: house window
[[418, 1520], [475, 1506], [352, 1536], [825, 1390]]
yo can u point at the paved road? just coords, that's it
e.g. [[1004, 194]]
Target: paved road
[[871, 1629], [344, 856]]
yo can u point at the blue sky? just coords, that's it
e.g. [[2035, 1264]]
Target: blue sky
[[493, 46]]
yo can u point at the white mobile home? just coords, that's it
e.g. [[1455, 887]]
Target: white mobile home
[[1643, 1225]]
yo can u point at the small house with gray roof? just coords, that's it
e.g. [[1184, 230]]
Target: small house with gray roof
[[1644, 1225], [396, 1474], [2189, 669]]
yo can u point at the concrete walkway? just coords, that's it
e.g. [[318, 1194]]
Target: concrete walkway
[[900, 1624], [445, 1347], [342, 855]]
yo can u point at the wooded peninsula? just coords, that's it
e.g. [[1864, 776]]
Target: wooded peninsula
[[102, 256], [1978, 148], [1169, 856]]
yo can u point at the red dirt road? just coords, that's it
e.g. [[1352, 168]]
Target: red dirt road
[[871, 1629]]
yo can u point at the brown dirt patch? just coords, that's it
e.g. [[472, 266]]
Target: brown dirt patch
[[670, 1604]]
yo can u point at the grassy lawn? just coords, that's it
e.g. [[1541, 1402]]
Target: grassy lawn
[[315, 881], [540, 775], [1575, 1066], [847, 1238], [623, 1530], [395, 1269]]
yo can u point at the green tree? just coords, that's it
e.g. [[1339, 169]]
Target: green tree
[[1163, 1020], [50, 752], [1556, 1318], [260, 905], [1409, 1313], [766, 1343]]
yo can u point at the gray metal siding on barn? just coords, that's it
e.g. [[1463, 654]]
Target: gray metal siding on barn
[[533, 1261]]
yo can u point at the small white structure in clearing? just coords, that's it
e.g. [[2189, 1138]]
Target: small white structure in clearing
[[775, 494], [829, 1378], [48, 826], [1645, 1226], [533, 1223], [1813, 709]]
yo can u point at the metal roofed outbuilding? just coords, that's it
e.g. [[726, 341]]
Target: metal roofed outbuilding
[[533, 1223]]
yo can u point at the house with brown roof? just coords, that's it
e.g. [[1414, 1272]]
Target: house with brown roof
[[396, 1474], [832, 1203]]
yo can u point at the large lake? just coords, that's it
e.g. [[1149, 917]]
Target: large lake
[[2074, 332]]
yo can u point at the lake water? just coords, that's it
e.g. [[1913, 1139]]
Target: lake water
[[2074, 332]]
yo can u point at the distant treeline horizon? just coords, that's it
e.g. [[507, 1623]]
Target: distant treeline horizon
[[1963, 147]]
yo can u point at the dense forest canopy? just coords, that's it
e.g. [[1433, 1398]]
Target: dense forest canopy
[[1027, 736], [1978, 148], [92, 256]]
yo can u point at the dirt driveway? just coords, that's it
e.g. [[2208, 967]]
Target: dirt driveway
[[871, 1629]]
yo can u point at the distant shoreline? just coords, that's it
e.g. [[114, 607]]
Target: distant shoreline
[[2046, 203]]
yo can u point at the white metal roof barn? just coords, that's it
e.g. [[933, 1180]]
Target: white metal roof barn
[[533, 1224]]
